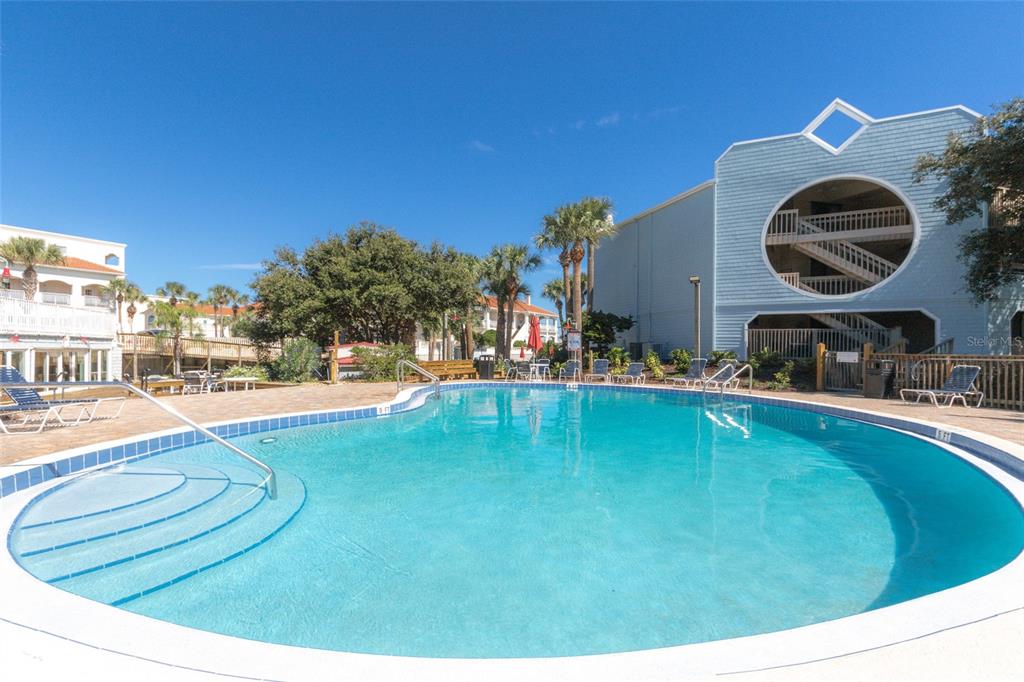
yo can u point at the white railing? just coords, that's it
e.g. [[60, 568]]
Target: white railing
[[791, 278], [792, 344], [890, 216], [831, 285], [784, 222], [55, 299], [97, 302], [18, 294], [32, 317], [845, 253]]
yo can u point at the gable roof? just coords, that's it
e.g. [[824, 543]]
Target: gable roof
[[521, 307]]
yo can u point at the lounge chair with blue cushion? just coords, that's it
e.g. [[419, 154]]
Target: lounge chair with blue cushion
[[570, 371], [634, 374], [960, 383], [35, 413], [694, 375], [599, 371]]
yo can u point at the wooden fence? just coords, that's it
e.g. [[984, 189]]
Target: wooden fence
[[793, 344], [1001, 378], [230, 350]]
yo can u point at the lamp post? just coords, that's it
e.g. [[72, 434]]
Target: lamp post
[[695, 281]]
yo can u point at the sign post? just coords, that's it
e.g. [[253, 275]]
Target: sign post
[[574, 344]]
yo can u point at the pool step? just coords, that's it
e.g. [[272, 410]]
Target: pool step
[[202, 486], [206, 542]]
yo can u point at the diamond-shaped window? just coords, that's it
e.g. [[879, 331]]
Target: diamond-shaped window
[[836, 126]]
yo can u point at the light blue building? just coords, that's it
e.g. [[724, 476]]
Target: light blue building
[[819, 235]]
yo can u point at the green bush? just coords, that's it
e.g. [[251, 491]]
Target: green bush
[[653, 363], [378, 364], [486, 339], [299, 357], [258, 371], [618, 357], [764, 358], [782, 379], [716, 357], [682, 359]]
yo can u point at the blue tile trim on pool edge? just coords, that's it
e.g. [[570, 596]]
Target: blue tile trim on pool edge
[[145, 448]]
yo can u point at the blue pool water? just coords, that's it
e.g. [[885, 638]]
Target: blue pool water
[[503, 522]]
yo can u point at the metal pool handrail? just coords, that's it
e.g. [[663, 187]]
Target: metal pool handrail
[[750, 378], [400, 373], [270, 481]]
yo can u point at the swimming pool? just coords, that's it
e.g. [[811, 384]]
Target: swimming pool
[[522, 522]]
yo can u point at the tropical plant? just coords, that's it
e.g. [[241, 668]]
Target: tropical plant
[[486, 339], [603, 227], [555, 290], [503, 271], [765, 357], [299, 357], [600, 329], [219, 296], [982, 167], [555, 235], [378, 363], [259, 372], [682, 359], [172, 321], [717, 356], [132, 296], [782, 379], [118, 290], [29, 253], [237, 301], [618, 357], [653, 363], [173, 291]]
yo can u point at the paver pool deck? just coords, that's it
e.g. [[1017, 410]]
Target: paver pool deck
[[987, 650]]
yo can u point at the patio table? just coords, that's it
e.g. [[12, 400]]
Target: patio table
[[247, 383]]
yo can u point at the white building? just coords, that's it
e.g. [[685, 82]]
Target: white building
[[203, 324], [69, 328]]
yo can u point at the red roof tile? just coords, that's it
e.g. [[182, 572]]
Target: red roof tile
[[521, 307]]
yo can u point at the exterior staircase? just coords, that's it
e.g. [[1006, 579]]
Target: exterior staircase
[[844, 256]]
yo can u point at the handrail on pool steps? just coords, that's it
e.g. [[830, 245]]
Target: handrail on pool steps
[[400, 374], [271, 480]]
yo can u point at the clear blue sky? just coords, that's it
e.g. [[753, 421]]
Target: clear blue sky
[[205, 134]]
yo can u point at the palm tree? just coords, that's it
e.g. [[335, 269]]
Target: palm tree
[[237, 302], [603, 227], [132, 295], [174, 291], [511, 261], [192, 299], [492, 282], [554, 235], [555, 290], [219, 295], [28, 253], [118, 288]]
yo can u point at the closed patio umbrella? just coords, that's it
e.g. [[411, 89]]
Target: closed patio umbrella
[[534, 341]]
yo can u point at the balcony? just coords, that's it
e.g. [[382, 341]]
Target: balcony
[[14, 294], [55, 299], [60, 319], [97, 302]]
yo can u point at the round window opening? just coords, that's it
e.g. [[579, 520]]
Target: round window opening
[[839, 237]]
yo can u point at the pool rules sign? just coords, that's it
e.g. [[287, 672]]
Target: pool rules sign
[[573, 341]]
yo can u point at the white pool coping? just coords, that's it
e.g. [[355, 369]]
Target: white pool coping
[[121, 639]]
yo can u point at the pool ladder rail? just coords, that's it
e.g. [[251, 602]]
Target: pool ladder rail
[[736, 375], [403, 364], [270, 482]]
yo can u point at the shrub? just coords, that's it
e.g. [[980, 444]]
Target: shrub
[[653, 363], [378, 364], [764, 358], [682, 359], [618, 357], [299, 357], [258, 371], [716, 356], [782, 379], [486, 339]]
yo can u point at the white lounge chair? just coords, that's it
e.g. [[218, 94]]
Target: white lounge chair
[[694, 375], [634, 374], [959, 384]]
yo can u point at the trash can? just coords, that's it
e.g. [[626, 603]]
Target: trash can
[[485, 367], [878, 379]]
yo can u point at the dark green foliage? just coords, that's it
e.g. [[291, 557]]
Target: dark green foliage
[[717, 356], [378, 364], [299, 357], [985, 166], [682, 359], [764, 358], [653, 363], [599, 329], [782, 379]]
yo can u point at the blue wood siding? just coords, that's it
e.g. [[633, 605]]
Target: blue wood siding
[[753, 178]]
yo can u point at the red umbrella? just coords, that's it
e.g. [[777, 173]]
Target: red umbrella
[[534, 341]]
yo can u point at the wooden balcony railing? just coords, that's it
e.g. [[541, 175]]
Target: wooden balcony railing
[[231, 350]]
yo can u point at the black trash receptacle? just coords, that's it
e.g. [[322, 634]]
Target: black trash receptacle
[[878, 379], [485, 367]]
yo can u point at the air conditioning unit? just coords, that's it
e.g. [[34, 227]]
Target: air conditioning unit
[[639, 351]]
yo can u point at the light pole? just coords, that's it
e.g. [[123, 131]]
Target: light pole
[[695, 281]]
